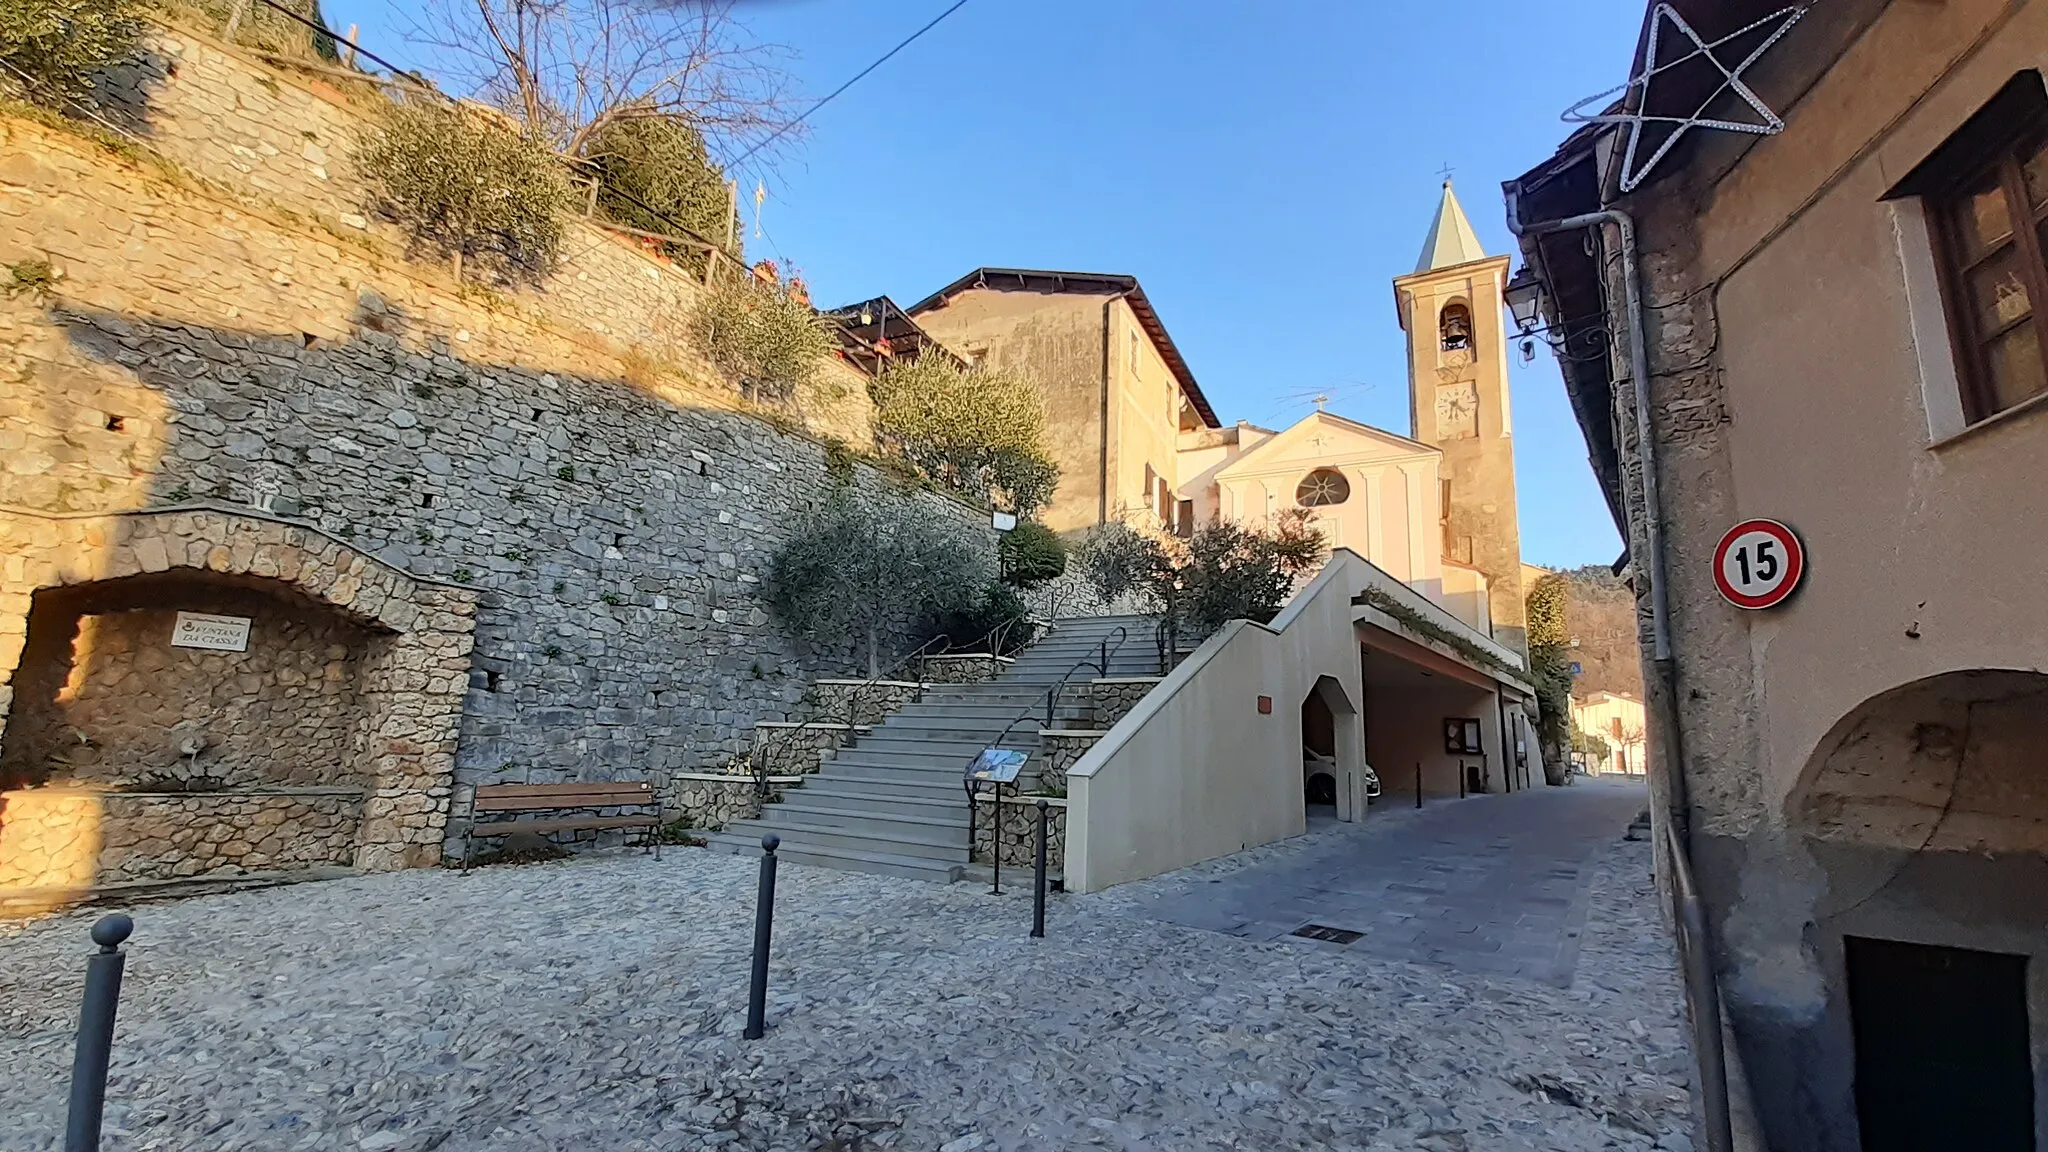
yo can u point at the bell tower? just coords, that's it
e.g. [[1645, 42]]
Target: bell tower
[[1450, 307]]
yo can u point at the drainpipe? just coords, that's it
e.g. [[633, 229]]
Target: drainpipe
[[1108, 374], [1694, 945]]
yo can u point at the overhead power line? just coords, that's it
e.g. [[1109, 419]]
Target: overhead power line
[[830, 96]]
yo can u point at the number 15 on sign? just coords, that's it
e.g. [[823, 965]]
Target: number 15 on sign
[[1758, 564]]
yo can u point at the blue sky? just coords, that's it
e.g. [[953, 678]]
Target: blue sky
[[1264, 169]]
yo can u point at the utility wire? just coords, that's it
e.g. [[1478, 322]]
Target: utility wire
[[829, 97]]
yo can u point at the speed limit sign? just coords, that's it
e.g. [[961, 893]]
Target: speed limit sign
[[1758, 564]]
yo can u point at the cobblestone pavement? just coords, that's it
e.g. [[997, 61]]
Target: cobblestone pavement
[[1488, 884], [597, 1003]]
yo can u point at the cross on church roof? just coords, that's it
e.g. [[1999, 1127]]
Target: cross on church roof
[[1445, 172]]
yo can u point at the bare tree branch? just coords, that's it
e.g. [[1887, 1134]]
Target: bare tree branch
[[567, 68]]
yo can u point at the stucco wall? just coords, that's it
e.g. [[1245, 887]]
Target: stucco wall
[[1059, 341], [1195, 770], [1147, 419], [1404, 731], [1924, 547]]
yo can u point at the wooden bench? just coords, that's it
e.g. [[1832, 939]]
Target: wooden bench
[[561, 798]]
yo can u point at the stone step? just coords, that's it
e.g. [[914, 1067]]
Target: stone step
[[904, 773], [963, 717], [961, 743], [847, 796], [887, 789], [916, 756], [846, 860], [867, 834]]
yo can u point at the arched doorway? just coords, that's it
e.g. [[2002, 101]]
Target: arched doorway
[[1924, 812], [1332, 753], [201, 691]]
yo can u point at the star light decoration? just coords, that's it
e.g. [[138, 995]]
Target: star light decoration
[[1638, 87]]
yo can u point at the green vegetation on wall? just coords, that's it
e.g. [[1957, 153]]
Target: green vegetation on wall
[[468, 187], [765, 336], [654, 173], [52, 49], [1550, 668], [979, 430]]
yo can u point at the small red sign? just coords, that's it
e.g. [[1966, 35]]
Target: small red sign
[[1758, 564], [1265, 705]]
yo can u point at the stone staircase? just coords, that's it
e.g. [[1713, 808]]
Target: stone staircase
[[892, 801]]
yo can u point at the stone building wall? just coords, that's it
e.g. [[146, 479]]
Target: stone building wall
[[164, 837], [614, 512], [1060, 749], [964, 669], [800, 748], [71, 837], [410, 679], [103, 698]]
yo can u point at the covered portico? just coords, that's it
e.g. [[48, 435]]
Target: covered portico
[[1448, 711]]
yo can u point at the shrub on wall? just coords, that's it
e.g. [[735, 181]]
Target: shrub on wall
[[1550, 669], [862, 570], [980, 430], [52, 49], [468, 187], [1224, 572], [654, 174], [1031, 554], [767, 337]]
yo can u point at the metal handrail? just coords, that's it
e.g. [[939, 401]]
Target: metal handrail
[[1052, 696], [758, 756], [1703, 996]]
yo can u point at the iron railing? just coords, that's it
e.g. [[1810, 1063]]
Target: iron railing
[[1702, 995], [762, 753], [1052, 696]]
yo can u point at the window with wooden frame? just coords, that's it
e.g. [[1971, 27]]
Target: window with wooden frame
[[1985, 191]]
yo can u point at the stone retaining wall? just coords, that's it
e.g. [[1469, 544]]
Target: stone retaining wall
[[74, 838], [968, 668], [796, 749], [239, 340], [705, 800], [1059, 749], [1111, 698], [870, 703], [1020, 832]]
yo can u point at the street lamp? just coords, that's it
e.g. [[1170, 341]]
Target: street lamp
[[1525, 300]]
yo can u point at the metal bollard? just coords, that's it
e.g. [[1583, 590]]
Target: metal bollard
[[1418, 784], [1038, 880], [764, 921], [96, 1033], [1462, 780]]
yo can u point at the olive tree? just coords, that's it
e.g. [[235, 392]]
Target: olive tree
[[979, 430], [468, 186], [1225, 571], [864, 568], [52, 49]]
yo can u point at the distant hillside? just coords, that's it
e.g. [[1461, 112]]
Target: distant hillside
[[1600, 614]]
